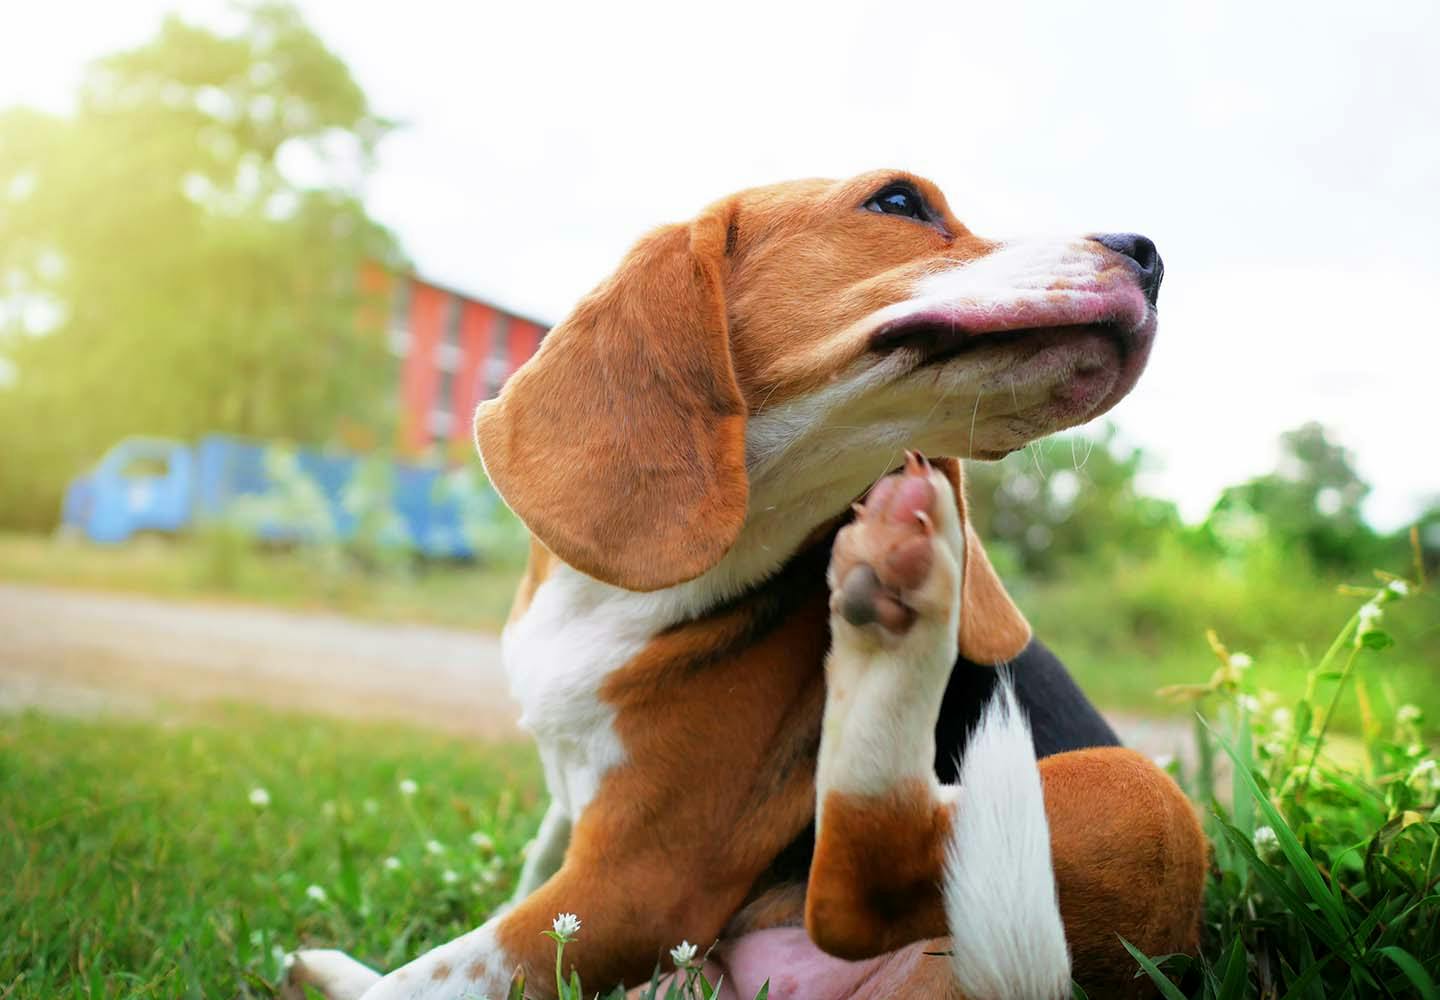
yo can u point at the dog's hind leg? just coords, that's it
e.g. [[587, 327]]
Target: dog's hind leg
[[333, 973]]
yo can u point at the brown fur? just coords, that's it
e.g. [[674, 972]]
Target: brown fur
[[621, 445], [721, 727], [700, 327], [874, 882]]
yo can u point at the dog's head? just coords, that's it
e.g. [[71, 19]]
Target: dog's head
[[773, 357]]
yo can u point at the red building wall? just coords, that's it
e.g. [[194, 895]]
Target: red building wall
[[454, 352]]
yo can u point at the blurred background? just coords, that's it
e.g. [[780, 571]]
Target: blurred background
[[259, 262]]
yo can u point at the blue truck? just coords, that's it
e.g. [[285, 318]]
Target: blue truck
[[146, 484]]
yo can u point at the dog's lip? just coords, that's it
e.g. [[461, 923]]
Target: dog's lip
[[938, 335], [940, 331], [936, 341]]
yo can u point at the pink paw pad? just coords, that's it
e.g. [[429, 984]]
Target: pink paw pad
[[888, 549]]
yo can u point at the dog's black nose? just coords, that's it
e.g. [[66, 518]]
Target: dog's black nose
[[1142, 251]]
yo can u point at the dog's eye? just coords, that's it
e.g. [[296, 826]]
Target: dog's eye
[[898, 199]]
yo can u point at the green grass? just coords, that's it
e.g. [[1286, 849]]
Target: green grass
[[1128, 630], [135, 865], [214, 569]]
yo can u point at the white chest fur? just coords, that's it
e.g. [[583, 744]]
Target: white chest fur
[[576, 633]]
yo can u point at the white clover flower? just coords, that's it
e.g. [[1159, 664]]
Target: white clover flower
[[259, 797], [408, 787], [316, 893], [567, 925], [682, 954], [489, 876], [1281, 718], [1369, 615], [1426, 768], [1399, 588], [1408, 714], [482, 840], [449, 877], [1241, 661], [1250, 703], [1267, 844], [434, 847], [392, 864]]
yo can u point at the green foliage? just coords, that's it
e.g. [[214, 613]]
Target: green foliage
[[1067, 499], [160, 273], [1311, 504], [1326, 861], [1128, 627]]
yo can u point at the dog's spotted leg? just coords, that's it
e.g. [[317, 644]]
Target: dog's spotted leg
[[1020, 858], [883, 820]]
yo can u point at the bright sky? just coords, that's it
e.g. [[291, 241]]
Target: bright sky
[[1285, 157]]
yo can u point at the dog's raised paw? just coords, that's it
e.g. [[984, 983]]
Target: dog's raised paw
[[883, 567]]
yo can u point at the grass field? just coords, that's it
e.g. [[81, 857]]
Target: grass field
[[452, 594], [136, 864], [180, 858]]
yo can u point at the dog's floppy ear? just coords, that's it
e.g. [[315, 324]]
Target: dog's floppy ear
[[992, 629], [621, 443]]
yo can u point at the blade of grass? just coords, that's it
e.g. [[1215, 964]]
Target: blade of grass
[[1161, 981], [1414, 971]]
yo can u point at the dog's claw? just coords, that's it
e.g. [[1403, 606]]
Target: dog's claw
[[916, 464]]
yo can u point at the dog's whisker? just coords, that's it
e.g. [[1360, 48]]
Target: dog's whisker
[[970, 448]]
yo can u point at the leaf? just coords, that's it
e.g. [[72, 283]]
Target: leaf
[[1275, 882], [1162, 982], [1376, 639], [1300, 861], [1414, 971], [1235, 980], [1303, 982]]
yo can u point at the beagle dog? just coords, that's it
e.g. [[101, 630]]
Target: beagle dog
[[754, 704]]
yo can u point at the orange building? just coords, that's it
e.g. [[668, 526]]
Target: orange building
[[454, 351]]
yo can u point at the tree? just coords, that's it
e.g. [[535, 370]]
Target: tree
[[161, 273], [1071, 496], [1311, 503]]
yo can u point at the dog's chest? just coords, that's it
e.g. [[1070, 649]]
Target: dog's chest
[[575, 634]]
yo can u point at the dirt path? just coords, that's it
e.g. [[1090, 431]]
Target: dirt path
[[81, 651], [85, 652]]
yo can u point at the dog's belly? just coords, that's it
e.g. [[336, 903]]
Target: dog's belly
[[797, 970]]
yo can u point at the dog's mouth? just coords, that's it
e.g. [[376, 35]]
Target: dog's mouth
[[935, 340], [1092, 348]]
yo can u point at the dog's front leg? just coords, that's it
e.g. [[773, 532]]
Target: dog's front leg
[[900, 858], [882, 818], [334, 974]]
